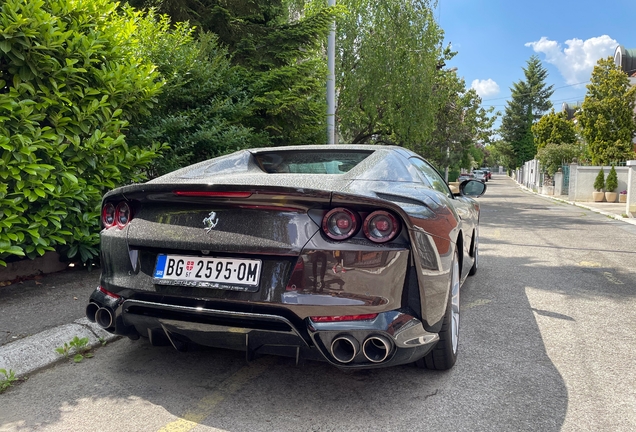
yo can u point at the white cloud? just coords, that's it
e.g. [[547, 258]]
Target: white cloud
[[576, 61], [485, 87]]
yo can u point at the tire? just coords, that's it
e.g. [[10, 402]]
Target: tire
[[444, 355], [473, 269]]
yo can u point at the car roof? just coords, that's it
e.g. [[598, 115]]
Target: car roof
[[384, 163]]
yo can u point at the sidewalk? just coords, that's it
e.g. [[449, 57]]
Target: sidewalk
[[41, 314], [613, 210], [616, 210]]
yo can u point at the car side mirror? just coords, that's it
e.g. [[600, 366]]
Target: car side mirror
[[472, 188]]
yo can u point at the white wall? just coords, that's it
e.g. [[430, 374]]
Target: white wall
[[583, 186]]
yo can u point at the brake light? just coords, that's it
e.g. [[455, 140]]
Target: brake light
[[122, 214], [108, 215], [118, 216], [380, 226], [340, 223], [108, 293], [213, 194], [363, 317]]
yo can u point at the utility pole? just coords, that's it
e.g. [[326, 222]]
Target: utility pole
[[331, 82], [447, 162], [454, 70]]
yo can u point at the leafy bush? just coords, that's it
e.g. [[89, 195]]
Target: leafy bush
[[599, 182], [200, 109], [612, 180], [553, 156], [70, 81]]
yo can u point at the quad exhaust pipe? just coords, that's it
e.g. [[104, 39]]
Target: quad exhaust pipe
[[104, 318], [345, 348], [91, 310], [376, 349], [100, 315]]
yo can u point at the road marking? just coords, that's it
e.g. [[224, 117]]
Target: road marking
[[610, 277], [479, 302], [206, 405]]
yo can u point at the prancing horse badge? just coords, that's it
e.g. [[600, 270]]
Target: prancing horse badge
[[210, 222]]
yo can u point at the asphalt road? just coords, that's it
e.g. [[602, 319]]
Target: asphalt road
[[547, 343]]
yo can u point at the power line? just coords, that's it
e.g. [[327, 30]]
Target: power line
[[528, 94], [554, 101]]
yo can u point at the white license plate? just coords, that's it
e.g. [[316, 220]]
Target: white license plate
[[211, 270]]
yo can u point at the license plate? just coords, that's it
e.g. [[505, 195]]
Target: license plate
[[206, 270]]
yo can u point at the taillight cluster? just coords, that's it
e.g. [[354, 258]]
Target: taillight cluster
[[379, 226], [116, 216]]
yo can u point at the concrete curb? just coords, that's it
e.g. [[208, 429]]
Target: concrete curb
[[36, 352], [613, 215]]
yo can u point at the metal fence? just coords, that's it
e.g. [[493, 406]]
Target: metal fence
[[566, 177]]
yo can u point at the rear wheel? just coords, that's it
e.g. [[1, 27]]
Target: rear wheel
[[444, 355]]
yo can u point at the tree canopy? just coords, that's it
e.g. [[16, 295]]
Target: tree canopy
[[201, 110], [530, 99], [554, 128], [276, 52], [462, 126], [386, 70], [607, 114]]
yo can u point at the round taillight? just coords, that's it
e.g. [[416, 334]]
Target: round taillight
[[122, 214], [108, 215], [381, 226], [340, 224]]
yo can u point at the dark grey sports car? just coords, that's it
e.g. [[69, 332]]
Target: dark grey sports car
[[353, 254]]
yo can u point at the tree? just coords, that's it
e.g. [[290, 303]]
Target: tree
[[388, 58], [530, 99], [462, 126], [203, 104], [554, 128], [279, 59], [70, 81], [599, 181], [611, 183], [503, 154], [555, 137], [553, 156], [607, 114]]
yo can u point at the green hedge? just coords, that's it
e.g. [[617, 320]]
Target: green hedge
[[70, 81]]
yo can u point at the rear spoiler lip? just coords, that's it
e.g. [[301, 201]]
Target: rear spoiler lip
[[196, 193]]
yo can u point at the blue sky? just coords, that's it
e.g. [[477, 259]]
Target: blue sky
[[495, 38]]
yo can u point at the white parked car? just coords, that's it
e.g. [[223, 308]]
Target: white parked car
[[481, 175]]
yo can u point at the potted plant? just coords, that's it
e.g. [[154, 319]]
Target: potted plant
[[610, 186], [599, 184], [622, 196]]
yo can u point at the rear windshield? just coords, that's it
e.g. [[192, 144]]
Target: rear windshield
[[310, 161]]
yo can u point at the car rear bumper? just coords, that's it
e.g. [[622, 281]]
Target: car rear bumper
[[391, 338]]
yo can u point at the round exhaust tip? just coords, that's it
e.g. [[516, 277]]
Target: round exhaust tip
[[344, 348], [91, 310], [104, 318], [376, 349]]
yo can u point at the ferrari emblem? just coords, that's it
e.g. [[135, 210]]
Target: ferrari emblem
[[210, 222]]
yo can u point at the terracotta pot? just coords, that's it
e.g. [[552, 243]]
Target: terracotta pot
[[611, 196], [598, 196], [622, 198]]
